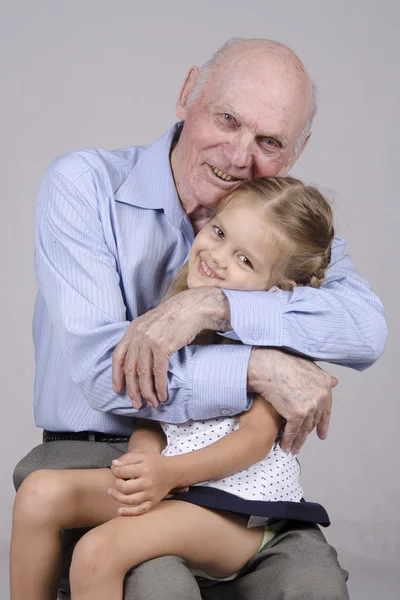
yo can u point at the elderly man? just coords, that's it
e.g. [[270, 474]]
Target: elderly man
[[112, 230]]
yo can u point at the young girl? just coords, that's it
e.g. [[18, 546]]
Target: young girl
[[269, 234]]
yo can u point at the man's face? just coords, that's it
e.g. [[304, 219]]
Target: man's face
[[245, 124]]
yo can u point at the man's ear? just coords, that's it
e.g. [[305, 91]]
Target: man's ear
[[296, 157], [187, 88]]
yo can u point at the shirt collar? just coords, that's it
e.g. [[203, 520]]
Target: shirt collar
[[150, 183]]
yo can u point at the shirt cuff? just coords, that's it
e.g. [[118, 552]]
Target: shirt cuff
[[257, 317], [220, 381]]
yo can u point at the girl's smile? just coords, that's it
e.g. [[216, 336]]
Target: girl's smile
[[237, 249]]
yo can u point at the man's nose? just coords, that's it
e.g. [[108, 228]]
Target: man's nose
[[239, 151]]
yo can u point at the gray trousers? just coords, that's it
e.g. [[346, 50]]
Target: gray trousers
[[298, 564]]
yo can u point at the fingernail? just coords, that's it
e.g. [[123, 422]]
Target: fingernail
[[135, 405], [324, 435], [109, 492]]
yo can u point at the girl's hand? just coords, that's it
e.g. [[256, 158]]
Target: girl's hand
[[142, 480]]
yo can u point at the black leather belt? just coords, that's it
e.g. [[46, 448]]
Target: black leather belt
[[83, 436]]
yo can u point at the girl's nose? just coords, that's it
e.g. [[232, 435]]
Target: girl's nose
[[218, 257]]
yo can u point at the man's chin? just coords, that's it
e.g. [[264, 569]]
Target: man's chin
[[210, 197]]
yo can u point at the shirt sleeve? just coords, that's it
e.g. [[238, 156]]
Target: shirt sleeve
[[78, 277], [342, 322]]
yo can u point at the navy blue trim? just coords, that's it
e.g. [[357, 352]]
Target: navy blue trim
[[219, 500]]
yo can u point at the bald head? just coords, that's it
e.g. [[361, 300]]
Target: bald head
[[247, 114], [262, 59]]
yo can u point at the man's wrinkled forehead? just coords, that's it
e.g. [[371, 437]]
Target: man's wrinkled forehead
[[273, 89]]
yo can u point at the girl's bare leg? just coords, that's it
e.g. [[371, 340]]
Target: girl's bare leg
[[213, 542], [46, 503]]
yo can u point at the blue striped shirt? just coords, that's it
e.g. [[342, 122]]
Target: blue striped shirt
[[110, 234]]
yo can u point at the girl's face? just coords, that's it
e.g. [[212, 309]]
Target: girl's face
[[236, 250]]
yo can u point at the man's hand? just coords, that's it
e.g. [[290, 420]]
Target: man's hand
[[297, 388], [143, 479], [140, 360]]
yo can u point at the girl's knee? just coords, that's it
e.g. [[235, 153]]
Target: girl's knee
[[94, 558], [40, 497]]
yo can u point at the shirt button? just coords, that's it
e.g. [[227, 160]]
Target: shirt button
[[256, 334], [312, 348], [225, 411]]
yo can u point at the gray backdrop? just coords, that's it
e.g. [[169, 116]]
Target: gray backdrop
[[95, 73]]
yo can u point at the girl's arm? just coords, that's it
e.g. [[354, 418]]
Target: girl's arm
[[258, 428], [147, 437], [145, 477]]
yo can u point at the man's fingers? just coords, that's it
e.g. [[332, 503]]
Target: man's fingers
[[291, 431], [305, 430], [323, 424], [334, 381], [145, 376], [118, 360], [131, 377], [160, 369]]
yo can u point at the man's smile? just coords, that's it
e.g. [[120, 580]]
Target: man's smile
[[222, 175]]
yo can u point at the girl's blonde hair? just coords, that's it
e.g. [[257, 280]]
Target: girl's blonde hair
[[302, 220]]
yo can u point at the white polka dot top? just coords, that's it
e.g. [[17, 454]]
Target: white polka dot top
[[274, 479]]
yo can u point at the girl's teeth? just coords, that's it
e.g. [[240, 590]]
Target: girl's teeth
[[203, 266]]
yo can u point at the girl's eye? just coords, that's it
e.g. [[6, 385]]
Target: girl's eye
[[219, 232], [245, 260]]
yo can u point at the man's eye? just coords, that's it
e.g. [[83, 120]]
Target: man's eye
[[245, 260], [271, 143], [228, 118], [219, 232]]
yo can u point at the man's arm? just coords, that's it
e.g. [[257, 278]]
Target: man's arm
[[341, 322], [145, 479], [78, 278]]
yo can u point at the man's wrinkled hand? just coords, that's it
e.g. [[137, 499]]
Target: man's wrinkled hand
[[142, 480], [140, 360], [297, 388]]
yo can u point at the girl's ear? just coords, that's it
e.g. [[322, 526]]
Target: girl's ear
[[187, 88], [286, 285]]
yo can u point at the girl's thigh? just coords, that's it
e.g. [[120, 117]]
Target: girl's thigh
[[215, 542], [67, 454], [70, 498], [93, 505]]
